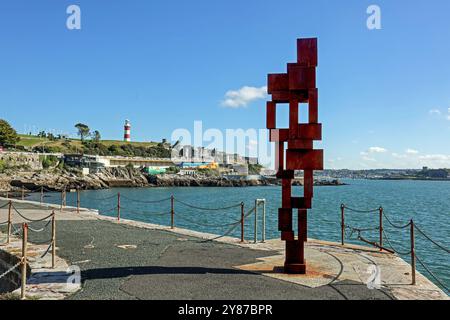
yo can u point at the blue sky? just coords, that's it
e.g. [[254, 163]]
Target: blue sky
[[384, 94]]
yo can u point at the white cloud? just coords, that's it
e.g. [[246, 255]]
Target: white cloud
[[434, 112], [243, 96], [448, 116], [377, 150], [399, 156], [365, 158], [363, 153], [435, 157], [411, 151]]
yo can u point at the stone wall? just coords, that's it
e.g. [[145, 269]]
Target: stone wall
[[17, 159]]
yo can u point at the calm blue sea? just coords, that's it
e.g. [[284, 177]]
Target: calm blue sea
[[427, 202]]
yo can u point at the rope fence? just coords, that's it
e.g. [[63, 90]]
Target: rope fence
[[383, 235]]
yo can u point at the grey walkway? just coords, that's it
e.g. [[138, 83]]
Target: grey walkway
[[125, 262]]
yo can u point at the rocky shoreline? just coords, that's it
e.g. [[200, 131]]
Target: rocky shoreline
[[128, 177]]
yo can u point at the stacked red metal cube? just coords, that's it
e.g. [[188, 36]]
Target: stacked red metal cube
[[294, 146]]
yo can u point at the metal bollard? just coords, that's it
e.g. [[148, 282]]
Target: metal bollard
[[342, 224], [118, 206], [172, 212], [42, 195], [24, 260], [78, 200], [381, 228], [263, 218], [9, 221], [242, 222], [256, 221], [413, 254], [53, 239]]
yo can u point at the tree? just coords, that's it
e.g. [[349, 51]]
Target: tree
[[8, 136], [96, 136], [83, 130]]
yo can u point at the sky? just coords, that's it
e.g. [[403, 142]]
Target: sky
[[384, 93]]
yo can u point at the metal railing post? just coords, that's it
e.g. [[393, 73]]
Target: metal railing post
[[242, 222], [9, 221], [65, 197], [342, 224], [413, 254], [256, 221], [62, 200], [42, 195], [172, 212], [78, 200], [7, 194], [53, 239], [381, 228], [264, 221], [24, 260], [118, 206]]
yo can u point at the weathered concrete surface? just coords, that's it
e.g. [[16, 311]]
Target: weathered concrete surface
[[135, 260]]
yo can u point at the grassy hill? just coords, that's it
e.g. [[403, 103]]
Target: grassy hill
[[104, 147]]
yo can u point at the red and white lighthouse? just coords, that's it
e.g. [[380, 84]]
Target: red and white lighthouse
[[127, 131]]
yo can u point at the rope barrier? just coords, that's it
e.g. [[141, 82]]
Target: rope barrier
[[47, 251], [207, 209], [396, 225], [393, 248], [42, 229], [209, 225], [434, 242], [100, 199], [439, 281], [5, 205], [361, 211], [31, 220], [145, 201], [232, 228], [144, 213], [11, 269], [42, 242], [109, 210]]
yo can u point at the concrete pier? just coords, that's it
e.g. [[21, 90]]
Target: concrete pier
[[136, 260]]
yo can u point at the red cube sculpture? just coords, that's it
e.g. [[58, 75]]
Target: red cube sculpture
[[296, 86]]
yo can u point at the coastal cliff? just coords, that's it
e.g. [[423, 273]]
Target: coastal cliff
[[126, 177]]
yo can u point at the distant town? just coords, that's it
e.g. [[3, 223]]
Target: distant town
[[90, 154]]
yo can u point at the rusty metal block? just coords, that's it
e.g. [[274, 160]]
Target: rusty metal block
[[279, 156], [301, 78], [304, 159], [307, 52], [301, 203], [308, 183], [287, 235], [300, 144], [286, 193], [277, 82], [302, 224], [281, 96], [279, 135], [295, 252], [271, 115], [310, 131], [313, 105], [293, 119], [285, 219], [297, 86], [285, 174]]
